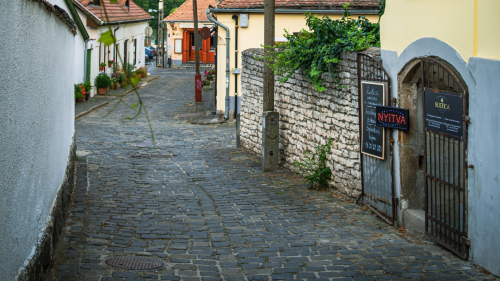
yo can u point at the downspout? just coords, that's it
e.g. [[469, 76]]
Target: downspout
[[116, 59], [226, 114], [85, 60], [235, 18]]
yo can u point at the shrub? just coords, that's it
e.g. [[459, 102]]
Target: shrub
[[314, 169], [318, 51], [128, 68], [102, 80], [143, 70]]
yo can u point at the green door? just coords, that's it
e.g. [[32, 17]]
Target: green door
[[88, 64]]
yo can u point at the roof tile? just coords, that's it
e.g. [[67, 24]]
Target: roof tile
[[318, 4], [185, 11], [116, 12]]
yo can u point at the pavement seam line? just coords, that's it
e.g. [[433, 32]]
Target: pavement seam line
[[220, 220]]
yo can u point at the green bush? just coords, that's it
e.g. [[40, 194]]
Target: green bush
[[128, 69], [78, 92], [318, 51], [142, 71], [314, 169], [102, 80]]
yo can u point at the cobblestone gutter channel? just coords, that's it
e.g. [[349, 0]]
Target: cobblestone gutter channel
[[209, 212]]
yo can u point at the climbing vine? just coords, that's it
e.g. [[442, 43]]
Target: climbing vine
[[318, 51]]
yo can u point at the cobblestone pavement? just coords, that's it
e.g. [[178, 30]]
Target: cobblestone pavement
[[204, 207]]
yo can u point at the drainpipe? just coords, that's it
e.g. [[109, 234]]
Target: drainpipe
[[235, 18], [116, 58], [85, 60], [226, 114]]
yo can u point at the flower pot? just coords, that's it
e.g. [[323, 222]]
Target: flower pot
[[139, 75], [81, 100], [102, 91], [119, 86], [207, 87]]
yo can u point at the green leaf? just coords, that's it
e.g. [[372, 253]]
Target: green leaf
[[107, 38], [134, 105], [113, 1], [135, 79]]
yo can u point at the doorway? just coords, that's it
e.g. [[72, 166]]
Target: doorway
[[433, 152]]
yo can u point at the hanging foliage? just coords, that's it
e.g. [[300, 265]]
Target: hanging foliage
[[318, 51]]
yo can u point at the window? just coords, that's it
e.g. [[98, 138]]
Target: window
[[178, 46]]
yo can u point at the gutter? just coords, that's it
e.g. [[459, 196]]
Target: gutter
[[127, 21], [87, 11], [297, 11], [226, 113]]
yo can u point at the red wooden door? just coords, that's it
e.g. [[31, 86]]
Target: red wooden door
[[185, 46]]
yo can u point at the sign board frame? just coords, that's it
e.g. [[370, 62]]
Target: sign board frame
[[391, 116], [443, 113], [178, 46], [381, 130]]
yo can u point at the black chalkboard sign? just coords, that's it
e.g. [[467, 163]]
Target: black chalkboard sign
[[372, 137], [443, 113]]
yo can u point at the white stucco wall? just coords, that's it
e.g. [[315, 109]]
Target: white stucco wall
[[79, 58], [482, 77], [36, 124]]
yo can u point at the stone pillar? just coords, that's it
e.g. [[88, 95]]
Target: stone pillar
[[270, 141]]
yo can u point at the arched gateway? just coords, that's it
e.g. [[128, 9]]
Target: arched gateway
[[433, 153]]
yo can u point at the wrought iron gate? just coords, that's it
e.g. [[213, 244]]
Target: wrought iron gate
[[377, 184], [445, 161]]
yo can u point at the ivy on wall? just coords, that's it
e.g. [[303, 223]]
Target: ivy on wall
[[318, 51]]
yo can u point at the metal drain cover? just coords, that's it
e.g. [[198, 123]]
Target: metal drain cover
[[135, 263]]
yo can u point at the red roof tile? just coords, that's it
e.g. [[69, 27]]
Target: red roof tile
[[282, 4], [185, 11], [116, 12]]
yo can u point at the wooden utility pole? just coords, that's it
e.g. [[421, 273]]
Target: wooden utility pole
[[269, 7], [197, 77], [270, 118]]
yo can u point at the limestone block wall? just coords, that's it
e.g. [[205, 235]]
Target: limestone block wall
[[308, 118]]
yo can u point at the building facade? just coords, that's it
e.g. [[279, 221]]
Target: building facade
[[37, 124], [180, 33], [128, 23], [249, 17], [444, 62]]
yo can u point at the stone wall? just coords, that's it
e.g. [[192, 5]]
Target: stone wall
[[308, 118]]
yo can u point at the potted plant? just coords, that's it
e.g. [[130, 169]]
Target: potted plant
[[115, 85], [79, 92], [110, 63], [87, 86], [102, 82], [206, 84], [121, 79], [141, 72], [102, 65]]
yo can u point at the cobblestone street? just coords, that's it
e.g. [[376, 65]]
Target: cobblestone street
[[206, 209]]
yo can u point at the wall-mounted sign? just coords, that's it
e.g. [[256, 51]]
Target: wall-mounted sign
[[393, 117], [443, 113], [373, 137]]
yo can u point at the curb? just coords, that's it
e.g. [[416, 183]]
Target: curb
[[81, 114]]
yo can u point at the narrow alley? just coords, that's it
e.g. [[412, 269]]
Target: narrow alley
[[208, 212]]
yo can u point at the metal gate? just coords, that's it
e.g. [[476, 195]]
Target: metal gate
[[377, 184], [445, 159]]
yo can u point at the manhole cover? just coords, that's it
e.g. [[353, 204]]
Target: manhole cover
[[135, 263]]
